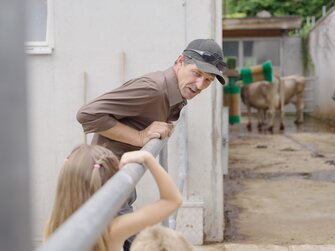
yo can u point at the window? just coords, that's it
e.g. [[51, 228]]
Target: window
[[249, 52], [230, 50], [39, 39], [258, 51]]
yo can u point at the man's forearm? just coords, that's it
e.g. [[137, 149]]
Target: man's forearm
[[123, 133]]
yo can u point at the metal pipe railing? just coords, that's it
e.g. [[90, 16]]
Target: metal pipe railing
[[183, 162], [80, 231], [163, 161]]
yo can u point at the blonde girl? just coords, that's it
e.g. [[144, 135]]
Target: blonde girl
[[86, 170]]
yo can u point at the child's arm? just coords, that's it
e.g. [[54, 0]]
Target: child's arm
[[170, 199]]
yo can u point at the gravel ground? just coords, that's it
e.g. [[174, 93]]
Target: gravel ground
[[280, 189]]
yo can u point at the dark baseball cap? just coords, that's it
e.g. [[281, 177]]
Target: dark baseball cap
[[207, 55]]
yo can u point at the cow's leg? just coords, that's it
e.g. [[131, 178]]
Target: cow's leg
[[260, 119], [249, 117], [272, 114], [299, 105], [265, 118], [282, 115], [281, 104], [271, 101], [262, 115]]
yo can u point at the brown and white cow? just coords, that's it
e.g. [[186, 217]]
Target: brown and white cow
[[268, 97]]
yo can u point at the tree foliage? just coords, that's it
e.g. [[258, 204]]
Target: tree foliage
[[302, 8]]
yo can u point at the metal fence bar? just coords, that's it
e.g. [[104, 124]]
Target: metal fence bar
[[225, 140], [183, 163], [163, 160], [81, 230]]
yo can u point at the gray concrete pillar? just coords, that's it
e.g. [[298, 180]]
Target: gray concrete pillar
[[14, 162]]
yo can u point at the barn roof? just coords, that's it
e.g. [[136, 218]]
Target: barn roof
[[259, 26]]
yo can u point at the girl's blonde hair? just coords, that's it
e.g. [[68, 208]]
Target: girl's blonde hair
[[158, 238], [86, 169]]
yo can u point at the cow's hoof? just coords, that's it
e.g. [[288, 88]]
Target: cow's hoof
[[249, 127], [270, 129], [297, 122], [282, 127]]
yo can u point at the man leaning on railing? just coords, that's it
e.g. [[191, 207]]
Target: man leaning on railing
[[126, 118]]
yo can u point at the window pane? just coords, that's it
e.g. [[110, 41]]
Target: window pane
[[36, 20], [257, 52], [230, 50]]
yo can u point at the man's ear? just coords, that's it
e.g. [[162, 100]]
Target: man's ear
[[180, 59]]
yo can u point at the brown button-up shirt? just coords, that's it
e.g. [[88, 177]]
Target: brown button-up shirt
[[137, 103]]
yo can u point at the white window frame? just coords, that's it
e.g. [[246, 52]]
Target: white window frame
[[44, 47]]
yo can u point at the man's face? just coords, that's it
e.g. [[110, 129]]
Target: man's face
[[191, 80]]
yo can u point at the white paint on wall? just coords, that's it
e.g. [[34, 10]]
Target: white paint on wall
[[322, 49]]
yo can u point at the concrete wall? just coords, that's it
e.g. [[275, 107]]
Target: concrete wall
[[91, 37], [322, 50], [292, 64], [291, 61]]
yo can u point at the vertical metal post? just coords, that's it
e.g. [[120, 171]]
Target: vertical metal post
[[240, 53], [85, 98], [183, 151], [225, 139], [324, 10], [15, 230], [122, 67], [313, 21], [225, 8], [183, 162], [163, 160], [281, 56]]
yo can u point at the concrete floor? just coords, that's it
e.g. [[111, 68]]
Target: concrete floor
[[280, 190], [252, 247]]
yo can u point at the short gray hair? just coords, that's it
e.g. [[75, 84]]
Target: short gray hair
[[187, 60]]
